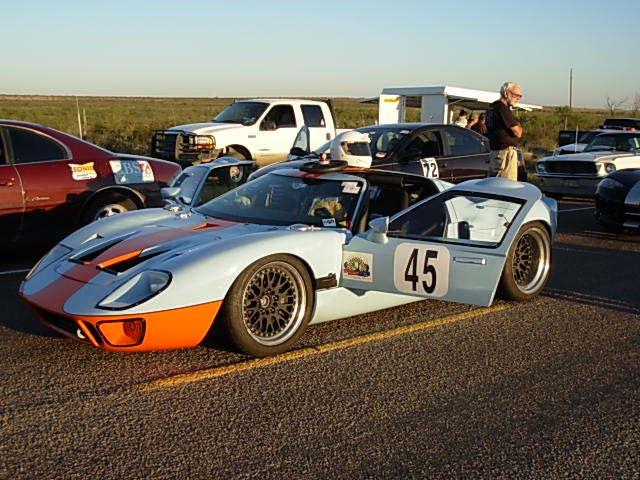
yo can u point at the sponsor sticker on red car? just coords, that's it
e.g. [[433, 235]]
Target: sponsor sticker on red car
[[131, 171], [85, 171]]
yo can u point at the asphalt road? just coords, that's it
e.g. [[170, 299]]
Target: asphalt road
[[546, 389]]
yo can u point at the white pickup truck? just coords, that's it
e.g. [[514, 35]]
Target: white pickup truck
[[262, 130]]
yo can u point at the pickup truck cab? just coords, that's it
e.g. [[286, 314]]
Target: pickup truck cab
[[260, 129]]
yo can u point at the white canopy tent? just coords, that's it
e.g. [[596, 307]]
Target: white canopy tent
[[436, 103]]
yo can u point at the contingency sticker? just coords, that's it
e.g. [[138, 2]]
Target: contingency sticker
[[357, 266], [421, 269], [86, 171], [131, 171], [351, 187]]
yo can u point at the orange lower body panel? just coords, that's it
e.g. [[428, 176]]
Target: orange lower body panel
[[168, 329]]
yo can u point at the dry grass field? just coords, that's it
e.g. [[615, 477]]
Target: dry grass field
[[125, 124]]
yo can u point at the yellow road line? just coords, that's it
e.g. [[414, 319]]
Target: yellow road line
[[306, 352]]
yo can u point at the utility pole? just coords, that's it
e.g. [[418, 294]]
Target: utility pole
[[570, 88]]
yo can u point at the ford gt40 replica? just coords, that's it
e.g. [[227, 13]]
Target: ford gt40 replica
[[578, 174], [51, 183], [618, 200], [291, 248]]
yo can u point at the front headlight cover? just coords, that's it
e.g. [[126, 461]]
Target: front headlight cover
[[56, 253], [610, 183], [609, 167], [541, 168], [205, 142], [138, 289]]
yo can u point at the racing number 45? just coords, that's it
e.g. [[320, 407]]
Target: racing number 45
[[421, 269], [429, 271]]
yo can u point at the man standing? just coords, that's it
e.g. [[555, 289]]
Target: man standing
[[462, 119], [504, 132]]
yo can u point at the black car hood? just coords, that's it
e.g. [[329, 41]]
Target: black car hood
[[628, 177]]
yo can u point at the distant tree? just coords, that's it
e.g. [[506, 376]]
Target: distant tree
[[635, 106], [614, 103]]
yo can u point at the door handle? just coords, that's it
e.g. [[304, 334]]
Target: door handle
[[6, 182], [471, 260]]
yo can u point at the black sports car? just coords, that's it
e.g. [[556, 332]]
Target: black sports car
[[444, 151], [618, 200]]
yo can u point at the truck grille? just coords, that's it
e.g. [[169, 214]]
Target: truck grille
[[163, 145], [568, 167], [178, 146]]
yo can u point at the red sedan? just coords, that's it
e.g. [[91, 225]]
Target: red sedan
[[51, 183]]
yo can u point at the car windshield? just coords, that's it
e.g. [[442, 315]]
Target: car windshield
[[281, 198], [588, 137], [246, 113], [619, 143], [384, 139]]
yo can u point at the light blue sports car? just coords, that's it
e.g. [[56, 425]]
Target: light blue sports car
[[291, 248]]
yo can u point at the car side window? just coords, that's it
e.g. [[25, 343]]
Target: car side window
[[218, 181], [458, 217], [27, 146], [461, 142], [282, 116], [427, 143], [313, 116]]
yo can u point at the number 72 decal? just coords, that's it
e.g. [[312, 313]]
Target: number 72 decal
[[429, 167], [421, 269]]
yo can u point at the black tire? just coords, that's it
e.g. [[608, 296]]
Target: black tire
[[106, 206], [607, 225], [528, 264], [268, 306]]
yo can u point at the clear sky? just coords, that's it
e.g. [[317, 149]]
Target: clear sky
[[209, 48]]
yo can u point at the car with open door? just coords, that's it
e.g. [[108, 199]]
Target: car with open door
[[298, 246]]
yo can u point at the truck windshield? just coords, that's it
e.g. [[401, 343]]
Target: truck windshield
[[245, 113]]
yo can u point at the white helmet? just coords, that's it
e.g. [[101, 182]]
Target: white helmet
[[352, 147]]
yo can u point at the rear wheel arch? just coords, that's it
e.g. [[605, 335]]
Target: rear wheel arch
[[528, 264], [128, 200]]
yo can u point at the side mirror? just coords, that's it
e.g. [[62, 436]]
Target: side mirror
[[464, 231], [169, 193], [298, 152], [378, 229], [268, 125]]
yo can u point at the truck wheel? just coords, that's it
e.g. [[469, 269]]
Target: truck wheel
[[106, 206], [237, 175]]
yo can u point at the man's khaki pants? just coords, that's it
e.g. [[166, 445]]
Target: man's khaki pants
[[504, 163]]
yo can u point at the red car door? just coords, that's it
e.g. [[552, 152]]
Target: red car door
[[47, 181], [11, 202]]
